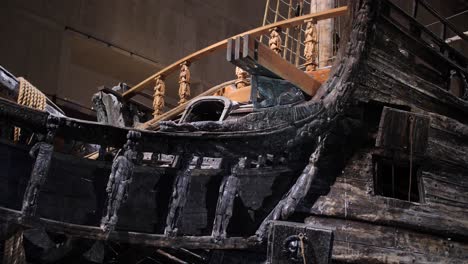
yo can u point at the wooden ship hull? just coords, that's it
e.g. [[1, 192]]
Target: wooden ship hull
[[376, 161]]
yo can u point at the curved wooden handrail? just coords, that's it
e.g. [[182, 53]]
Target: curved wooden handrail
[[331, 13]]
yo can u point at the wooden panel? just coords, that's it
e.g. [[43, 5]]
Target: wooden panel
[[376, 240], [444, 188], [222, 44], [355, 253], [352, 201], [395, 131]]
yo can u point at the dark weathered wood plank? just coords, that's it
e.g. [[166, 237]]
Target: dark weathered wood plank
[[408, 242], [352, 202], [443, 191], [403, 131], [388, 84], [155, 240], [367, 254]]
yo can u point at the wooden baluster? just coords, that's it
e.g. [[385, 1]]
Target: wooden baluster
[[275, 40], [241, 78], [287, 34], [415, 8], [220, 92], [184, 83], [159, 93], [298, 45], [310, 46]]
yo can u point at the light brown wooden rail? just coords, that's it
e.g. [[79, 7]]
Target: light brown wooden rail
[[331, 13]]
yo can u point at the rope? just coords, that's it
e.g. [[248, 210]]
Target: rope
[[14, 250], [29, 96], [301, 238]]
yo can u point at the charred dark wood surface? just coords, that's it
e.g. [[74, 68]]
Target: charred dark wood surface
[[352, 198], [403, 71], [369, 243], [74, 192], [155, 240]]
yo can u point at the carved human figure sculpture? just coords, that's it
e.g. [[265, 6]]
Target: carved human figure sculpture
[[184, 83], [159, 93], [119, 181], [310, 46], [117, 188], [227, 193], [275, 40], [42, 151], [241, 78]]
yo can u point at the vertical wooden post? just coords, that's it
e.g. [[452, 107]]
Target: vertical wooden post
[[415, 8], [42, 151], [159, 93], [184, 83], [227, 193], [298, 46], [310, 46], [325, 32], [120, 178], [299, 34], [277, 10], [265, 15], [275, 40], [443, 36], [287, 34]]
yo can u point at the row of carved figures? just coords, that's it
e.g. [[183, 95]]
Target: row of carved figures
[[275, 43]]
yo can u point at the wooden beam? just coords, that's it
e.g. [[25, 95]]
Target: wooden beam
[[395, 244], [279, 66], [154, 240], [223, 44]]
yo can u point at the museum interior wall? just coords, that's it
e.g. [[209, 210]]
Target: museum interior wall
[[69, 48]]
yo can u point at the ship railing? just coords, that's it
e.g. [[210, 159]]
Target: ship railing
[[445, 59], [182, 67]]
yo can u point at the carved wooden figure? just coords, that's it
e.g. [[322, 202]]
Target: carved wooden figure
[[42, 151], [298, 191], [227, 193], [241, 78], [179, 194], [311, 46], [119, 181], [159, 93], [275, 41], [184, 83]]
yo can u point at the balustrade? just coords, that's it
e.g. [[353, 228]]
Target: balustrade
[[275, 36]]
